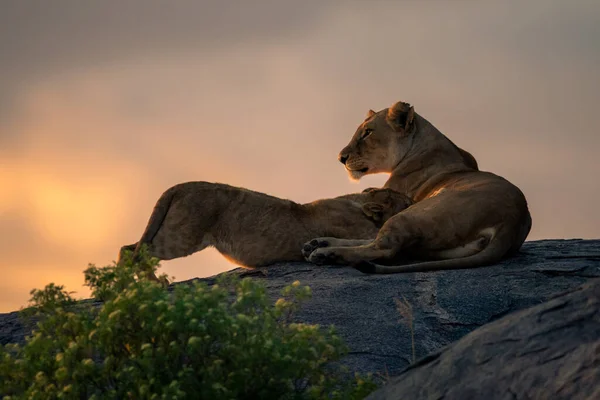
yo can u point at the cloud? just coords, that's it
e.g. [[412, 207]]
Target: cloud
[[38, 39]]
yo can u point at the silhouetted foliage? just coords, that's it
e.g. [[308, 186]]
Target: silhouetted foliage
[[197, 342]]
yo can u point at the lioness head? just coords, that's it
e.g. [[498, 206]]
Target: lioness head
[[380, 142]]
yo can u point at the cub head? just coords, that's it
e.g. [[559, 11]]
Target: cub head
[[380, 142], [382, 204]]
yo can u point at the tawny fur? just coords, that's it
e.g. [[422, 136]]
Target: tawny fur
[[462, 217], [254, 229]]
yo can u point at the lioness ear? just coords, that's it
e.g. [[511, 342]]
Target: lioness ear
[[373, 211], [401, 117], [370, 113]]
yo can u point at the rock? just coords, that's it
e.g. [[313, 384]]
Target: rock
[[550, 351], [446, 305]]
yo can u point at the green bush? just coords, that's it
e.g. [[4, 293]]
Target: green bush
[[197, 342]]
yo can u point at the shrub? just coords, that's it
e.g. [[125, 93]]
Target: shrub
[[197, 342]]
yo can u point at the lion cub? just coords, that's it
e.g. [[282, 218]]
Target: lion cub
[[254, 229]]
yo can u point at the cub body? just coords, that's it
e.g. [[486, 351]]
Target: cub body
[[254, 229]]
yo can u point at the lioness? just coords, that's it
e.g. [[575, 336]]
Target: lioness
[[254, 229], [462, 217]]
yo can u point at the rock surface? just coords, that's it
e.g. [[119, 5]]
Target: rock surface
[[446, 305], [550, 351]]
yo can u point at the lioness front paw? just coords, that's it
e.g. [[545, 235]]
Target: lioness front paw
[[310, 247], [323, 256]]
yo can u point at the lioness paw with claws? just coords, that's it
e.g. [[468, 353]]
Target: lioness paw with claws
[[310, 247], [322, 256]]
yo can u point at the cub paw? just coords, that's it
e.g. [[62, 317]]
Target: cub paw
[[310, 247]]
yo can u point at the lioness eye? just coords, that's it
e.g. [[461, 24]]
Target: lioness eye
[[367, 132]]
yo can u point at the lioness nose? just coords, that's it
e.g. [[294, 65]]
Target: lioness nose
[[343, 158]]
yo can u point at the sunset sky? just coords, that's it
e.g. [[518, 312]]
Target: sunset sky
[[106, 104]]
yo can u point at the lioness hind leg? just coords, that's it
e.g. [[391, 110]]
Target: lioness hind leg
[[317, 243], [350, 255], [389, 242], [465, 250]]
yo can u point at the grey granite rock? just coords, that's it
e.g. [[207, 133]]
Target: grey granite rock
[[550, 351], [446, 305]]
